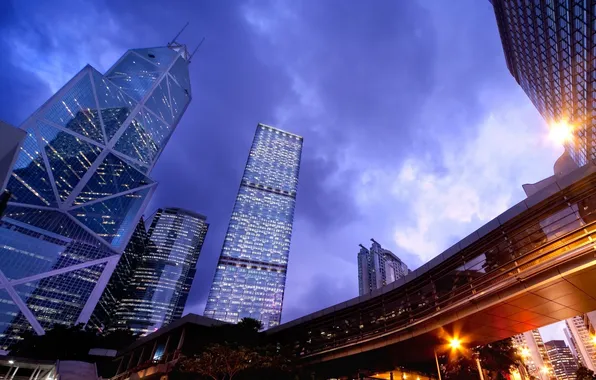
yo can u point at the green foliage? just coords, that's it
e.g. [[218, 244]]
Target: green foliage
[[236, 352], [584, 373], [69, 343], [497, 358]]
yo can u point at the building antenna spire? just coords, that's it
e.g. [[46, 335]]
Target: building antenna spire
[[180, 32], [197, 48]]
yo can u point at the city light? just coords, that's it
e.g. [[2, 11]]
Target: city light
[[560, 132], [594, 339], [525, 352], [11, 362], [544, 370], [455, 344]]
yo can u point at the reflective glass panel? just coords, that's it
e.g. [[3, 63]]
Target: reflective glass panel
[[113, 218], [60, 299], [180, 98], [138, 140], [180, 74], [29, 182], [159, 102], [134, 75], [77, 111], [160, 56], [115, 106], [113, 176], [69, 157]]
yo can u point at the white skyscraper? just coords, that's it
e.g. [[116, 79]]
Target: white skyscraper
[[378, 267]]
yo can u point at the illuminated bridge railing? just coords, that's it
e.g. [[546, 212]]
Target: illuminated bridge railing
[[549, 225]]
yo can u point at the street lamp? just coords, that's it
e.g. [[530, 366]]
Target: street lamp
[[455, 344]]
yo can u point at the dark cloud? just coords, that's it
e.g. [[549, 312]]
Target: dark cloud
[[356, 79]]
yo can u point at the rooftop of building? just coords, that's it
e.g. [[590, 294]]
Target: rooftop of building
[[281, 130], [188, 319]]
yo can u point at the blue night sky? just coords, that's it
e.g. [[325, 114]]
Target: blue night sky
[[414, 131]]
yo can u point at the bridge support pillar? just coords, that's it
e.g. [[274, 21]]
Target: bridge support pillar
[[391, 375]]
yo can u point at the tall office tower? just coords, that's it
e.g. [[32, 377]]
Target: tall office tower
[[251, 273], [378, 267], [534, 354], [548, 48], [581, 330], [161, 281], [573, 346], [564, 364], [104, 316], [80, 185]]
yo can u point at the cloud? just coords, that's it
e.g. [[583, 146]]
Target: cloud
[[481, 176], [55, 41]]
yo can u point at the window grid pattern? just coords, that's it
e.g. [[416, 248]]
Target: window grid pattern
[[80, 184], [160, 283], [251, 273], [549, 49]]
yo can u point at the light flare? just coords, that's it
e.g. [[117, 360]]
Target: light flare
[[561, 132]]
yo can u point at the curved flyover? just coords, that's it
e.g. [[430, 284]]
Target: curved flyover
[[531, 266]]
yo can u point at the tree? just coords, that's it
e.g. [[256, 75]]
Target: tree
[[497, 358], [584, 373], [69, 343], [220, 362]]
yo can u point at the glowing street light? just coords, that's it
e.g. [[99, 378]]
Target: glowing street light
[[560, 132], [593, 339], [455, 344], [525, 352]]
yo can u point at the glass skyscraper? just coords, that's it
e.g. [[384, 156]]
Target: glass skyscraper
[[161, 281], [548, 48], [251, 272], [80, 185]]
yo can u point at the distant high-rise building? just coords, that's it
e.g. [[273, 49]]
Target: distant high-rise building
[[563, 362], [548, 48], [378, 267], [534, 354], [581, 331], [80, 185], [251, 273], [104, 316], [162, 277]]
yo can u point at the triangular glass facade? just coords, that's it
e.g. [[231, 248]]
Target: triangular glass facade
[[114, 104], [69, 156], [162, 57], [112, 176], [135, 75], [66, 293], [29, 182], [77, 110], [79, 186], [110, 219], [159, 102]]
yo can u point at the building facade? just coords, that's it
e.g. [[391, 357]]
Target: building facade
[[563, 362], [534, 354], [548, 48], [251, 273], [581, 335], [159, 285], [104, 316], [378, 267], [80, 184]]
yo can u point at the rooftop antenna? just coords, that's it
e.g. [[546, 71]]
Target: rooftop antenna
[[180, 32], [197, 48]]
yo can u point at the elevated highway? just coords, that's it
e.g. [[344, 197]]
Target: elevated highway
[[531, 266]]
